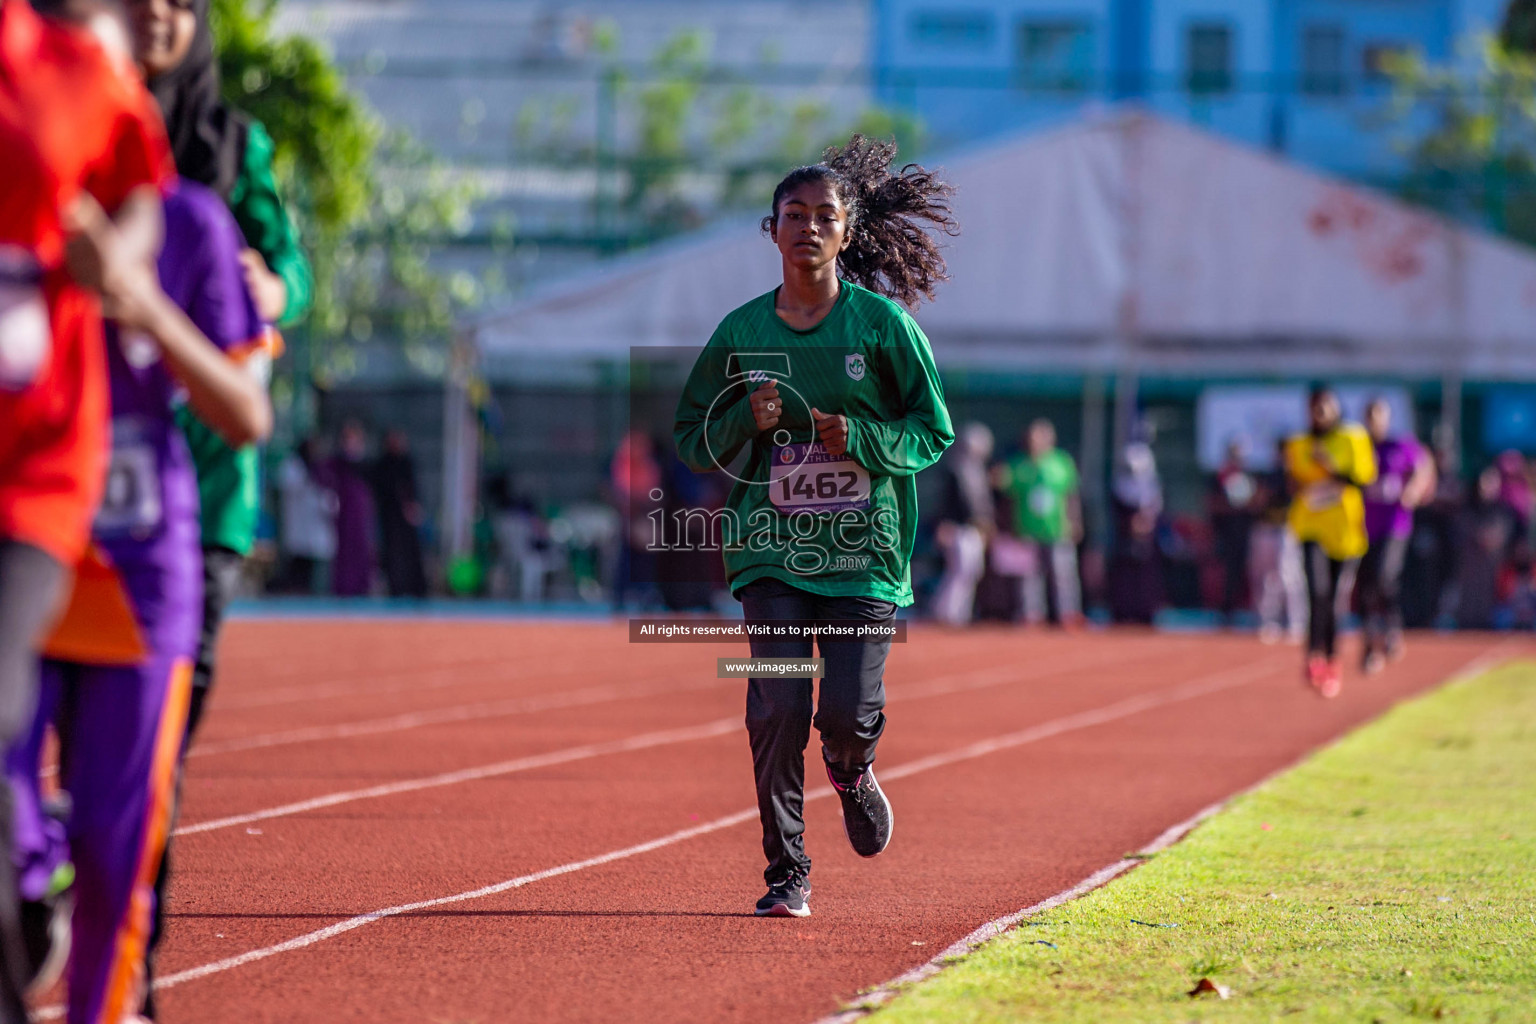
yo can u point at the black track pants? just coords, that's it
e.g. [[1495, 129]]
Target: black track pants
[[849, 714], [1381, 592], [1329, 583]]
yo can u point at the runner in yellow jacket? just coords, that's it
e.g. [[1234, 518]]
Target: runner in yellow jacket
[[1328, 466]]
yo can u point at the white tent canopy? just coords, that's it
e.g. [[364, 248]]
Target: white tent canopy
[[1125, 238], [1120, 244]]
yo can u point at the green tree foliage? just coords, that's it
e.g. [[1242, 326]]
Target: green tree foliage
[[680, 139], [1471, 136], [369, 202], [1518, 33]]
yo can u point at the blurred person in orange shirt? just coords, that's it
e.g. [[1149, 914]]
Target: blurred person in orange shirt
[[74, 121]]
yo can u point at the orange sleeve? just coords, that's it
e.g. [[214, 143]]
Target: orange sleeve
[[269, 343]]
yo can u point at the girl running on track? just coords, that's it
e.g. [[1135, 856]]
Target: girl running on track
[[117, 675], [228, 152], [846, 408], [1328, 466], [115, 682], [1405, 478], [53, 376]]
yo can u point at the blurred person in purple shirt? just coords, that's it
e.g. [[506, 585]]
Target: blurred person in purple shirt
[[117, 673], [1405, 478]]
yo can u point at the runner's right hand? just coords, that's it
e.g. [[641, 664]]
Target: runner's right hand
[[97, 258], [766, 405]]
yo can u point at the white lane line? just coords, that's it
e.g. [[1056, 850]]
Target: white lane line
[[707, 730], [393, 681], [1121, 709], [594, 695], [877, 997], [435, 677], [342, 927], [982, 678], [445, 716], [719, 727], [1213, 683], [872, 1000]]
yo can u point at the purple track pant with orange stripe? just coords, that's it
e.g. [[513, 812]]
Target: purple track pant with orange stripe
[[120, 730]]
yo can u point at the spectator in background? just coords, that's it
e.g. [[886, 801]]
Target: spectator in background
[[352, 574], [1515, 493], [1236, 503], [965, 518], [1048, 518], [1429, 579], [524, 554], [1135, 575], [1517, 590], [400, 518], [1405, 479], [1278, 583], [635, 484], [1489, 527], [308, 508], [690, 573]]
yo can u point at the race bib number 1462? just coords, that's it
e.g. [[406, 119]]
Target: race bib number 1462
[[805, 478]]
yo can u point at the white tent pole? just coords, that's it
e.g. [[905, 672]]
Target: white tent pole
[[1448, 438], [1094, 459], [460, 451], [1128, 315]]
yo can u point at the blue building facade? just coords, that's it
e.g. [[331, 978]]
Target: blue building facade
[[1302, 77]]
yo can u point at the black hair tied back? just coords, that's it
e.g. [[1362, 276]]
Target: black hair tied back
[[891, 217]]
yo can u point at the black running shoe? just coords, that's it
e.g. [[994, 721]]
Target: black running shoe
[[866, 812], [786, 898]]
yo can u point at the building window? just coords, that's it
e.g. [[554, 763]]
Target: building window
[[952, 29], [1376, 61], [1208, 59], [1057, 56], [1322, 60]]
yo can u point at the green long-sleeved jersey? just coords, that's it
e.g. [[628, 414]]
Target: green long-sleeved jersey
[[258, 209], [867, 360], [228, 479]]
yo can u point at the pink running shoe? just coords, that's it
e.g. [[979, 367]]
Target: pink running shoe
[[1333, 680], [1317, 669]]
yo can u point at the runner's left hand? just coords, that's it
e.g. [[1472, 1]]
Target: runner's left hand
[[832, 430], [268, 291]]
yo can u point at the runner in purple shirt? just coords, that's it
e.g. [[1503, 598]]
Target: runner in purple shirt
[[1405, 476], [118, 668]]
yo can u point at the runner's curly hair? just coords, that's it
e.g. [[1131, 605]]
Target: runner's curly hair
[[890, 250]]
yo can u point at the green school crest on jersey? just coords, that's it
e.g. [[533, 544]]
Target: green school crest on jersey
[[855, 366]]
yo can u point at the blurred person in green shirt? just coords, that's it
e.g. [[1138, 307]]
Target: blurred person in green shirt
[[1043, 484]]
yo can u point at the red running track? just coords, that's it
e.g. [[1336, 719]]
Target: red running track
[[560, 825]]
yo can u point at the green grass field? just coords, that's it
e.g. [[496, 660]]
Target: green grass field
[[1392, 877]]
